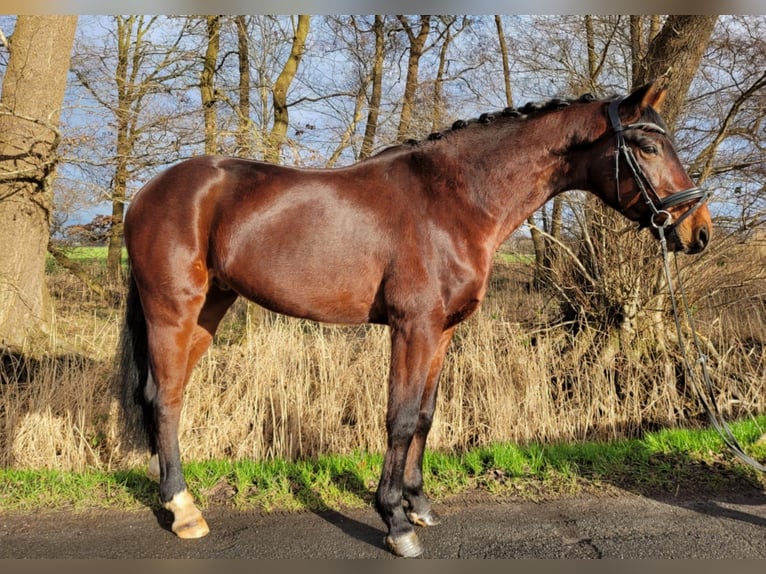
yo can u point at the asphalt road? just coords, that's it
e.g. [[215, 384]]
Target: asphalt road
[[625, 525]]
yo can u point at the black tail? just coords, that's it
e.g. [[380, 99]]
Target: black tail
[[135, 398]]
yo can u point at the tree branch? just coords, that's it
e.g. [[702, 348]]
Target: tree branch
[[575, 259]]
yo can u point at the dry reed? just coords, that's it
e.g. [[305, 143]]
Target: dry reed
[[290, 388]]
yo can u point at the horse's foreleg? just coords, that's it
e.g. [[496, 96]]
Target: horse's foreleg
[[412, 350], [420, 511]]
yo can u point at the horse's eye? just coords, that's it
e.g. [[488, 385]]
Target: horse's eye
[[650, 149]]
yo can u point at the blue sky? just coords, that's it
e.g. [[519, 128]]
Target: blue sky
[[307, 115]]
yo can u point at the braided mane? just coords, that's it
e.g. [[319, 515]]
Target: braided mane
[[530, 109]]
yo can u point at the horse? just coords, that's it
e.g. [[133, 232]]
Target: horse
[[404, 238]]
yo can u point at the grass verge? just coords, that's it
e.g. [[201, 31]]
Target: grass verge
[[673, 461]]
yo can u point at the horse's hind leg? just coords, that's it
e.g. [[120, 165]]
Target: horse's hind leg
[[175, 345], [216, 304]]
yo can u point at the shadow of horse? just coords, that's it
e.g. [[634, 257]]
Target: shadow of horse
[[346, 482], [708, 488]]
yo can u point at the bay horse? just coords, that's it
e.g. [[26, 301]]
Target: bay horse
[[405, 238]]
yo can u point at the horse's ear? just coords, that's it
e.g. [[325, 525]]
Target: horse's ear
[[655, 96], [651, 94]]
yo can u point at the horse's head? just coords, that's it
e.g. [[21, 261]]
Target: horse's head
[[647, 182]]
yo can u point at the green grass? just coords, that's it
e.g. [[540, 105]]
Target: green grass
[[663, 462], [86, 255], [509, 258]]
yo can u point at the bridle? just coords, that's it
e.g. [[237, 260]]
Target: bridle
[[660, 216]]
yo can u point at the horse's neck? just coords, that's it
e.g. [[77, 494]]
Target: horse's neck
[[519, 168]]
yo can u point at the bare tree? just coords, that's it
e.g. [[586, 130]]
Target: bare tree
[[678, 47], [207, 83], [373, 109], [451, 28], [244, 124], [32, 95], [364, 40], [282, 85], [504, 57], [124, 78]]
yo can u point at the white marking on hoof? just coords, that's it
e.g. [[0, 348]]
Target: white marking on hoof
[[153, 470], [187, 519], [429, 518], [406, 546]]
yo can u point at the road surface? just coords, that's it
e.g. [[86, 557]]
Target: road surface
[[623, 525]]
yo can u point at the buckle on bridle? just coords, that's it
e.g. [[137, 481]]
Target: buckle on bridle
[[667, 219]]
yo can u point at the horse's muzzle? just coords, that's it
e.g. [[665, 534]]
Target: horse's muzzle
[[696, 242]]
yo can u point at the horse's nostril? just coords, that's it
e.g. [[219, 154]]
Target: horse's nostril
[[703, 236]]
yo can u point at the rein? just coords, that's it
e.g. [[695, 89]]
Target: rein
[[706, 399]]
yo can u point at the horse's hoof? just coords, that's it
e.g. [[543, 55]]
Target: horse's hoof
[[187, 519], [406, 546], [429, 518], [188, 530]]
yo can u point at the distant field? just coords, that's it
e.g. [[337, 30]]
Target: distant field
[[87, 255], [97, 253], [509, 258], [90, 253]]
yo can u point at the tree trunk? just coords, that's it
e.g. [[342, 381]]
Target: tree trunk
[[125, 119], [279, 91], [637, 45], [32, 95], [244, 125], [351, 128], [207, 84], [504, 57], [377, 91], [417, 45], [119, 192], [438, 104], [678, 46]]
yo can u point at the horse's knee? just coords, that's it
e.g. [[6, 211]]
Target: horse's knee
[[401, 428]]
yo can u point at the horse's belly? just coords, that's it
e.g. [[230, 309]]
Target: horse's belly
[[331, 293]]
